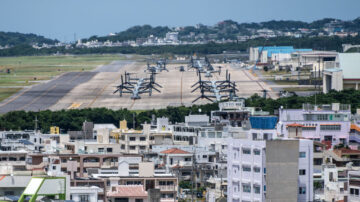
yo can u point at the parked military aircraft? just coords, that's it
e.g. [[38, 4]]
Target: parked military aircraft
[[137, 86], [216, 89], [160, 66]]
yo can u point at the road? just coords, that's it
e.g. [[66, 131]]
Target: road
[[45, 95]]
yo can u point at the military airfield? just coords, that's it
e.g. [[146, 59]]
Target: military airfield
[[94, 89]]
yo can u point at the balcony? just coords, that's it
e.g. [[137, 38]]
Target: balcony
[[91, 164], [12, 163], [166, 187], [31, 167]]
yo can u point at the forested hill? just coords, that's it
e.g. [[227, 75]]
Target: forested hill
[[133, 33], [15, 39], [229, 29]]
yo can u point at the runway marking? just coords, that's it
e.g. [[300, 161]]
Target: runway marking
[[75, 105], [14, 98], [102, 90], [37, 98]]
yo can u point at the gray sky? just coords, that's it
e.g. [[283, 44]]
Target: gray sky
[[62, 18]]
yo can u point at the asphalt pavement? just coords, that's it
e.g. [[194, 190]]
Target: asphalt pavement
[[44, 95]]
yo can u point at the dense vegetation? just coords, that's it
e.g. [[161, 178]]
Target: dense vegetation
[[73, 119], [229, 29], [133, 33], [17, 39], [316, 43]]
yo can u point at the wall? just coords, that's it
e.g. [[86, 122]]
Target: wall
[[282, 170]]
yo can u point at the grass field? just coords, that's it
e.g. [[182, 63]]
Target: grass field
[[17, 72], [7, 92]]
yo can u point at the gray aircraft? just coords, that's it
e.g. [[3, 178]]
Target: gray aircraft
[[216, 90], [203, 66], [159, 66], [137, 86]]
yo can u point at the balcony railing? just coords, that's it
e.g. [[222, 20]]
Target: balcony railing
[[166, 187]]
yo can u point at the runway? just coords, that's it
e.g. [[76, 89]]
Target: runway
[[45, 95], [78, 90]]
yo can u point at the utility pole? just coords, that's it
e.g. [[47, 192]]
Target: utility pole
[[193, 176], [134, 121], [36, 124]]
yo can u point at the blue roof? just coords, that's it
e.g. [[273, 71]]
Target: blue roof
[[263, 122], [280, 49]]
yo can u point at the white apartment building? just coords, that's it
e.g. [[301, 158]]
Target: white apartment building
[[323, 123], [89, 194], [276, 170]]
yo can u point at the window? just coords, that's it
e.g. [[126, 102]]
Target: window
[[256, 169], [188, 159], [257, 151], [11, 193], [318, 161], [122, 146], [211, 134], [132, 147], [302, 154], [138, 200], [246, 151], [330, 127], [354, 191], [204, 156], [267, 136], [322, 117], [254, 136], [142, 147], [100, 149], [12, 158], [163, 183], [84, 198], [308, 117], [309, 128], [302, 172], [132, 138], [246, 168], [236, 169], [257, 189], [109, 150], [302, 190], [246, 188], [142, 138], [236, 152], [218, 134]]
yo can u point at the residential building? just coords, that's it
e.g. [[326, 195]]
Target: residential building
[[90, 194], [325, 123], [272, 170]]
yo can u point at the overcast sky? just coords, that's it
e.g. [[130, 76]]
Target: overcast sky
[[60, 19]]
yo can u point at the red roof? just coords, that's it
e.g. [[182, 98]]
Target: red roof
[[294, 125], [343, 151], [174, 151], [128, 191], [355, 127]]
